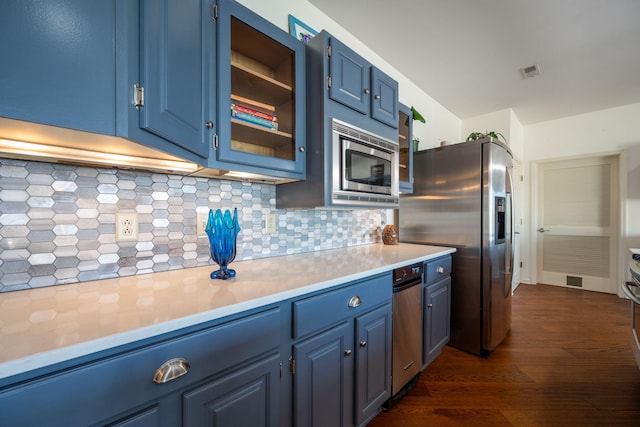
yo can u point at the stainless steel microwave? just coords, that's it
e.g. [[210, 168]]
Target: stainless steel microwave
[[365, 167]]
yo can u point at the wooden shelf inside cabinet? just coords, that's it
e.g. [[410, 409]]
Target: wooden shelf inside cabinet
[[249, 83], [258, 135]]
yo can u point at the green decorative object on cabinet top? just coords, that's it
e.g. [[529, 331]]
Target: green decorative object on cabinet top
[[473, 136]]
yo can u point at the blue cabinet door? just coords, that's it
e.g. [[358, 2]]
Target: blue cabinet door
[[176, 44], [245, 397], [323, 381], [437, 315], [384, 98], [373, 362], [260, 68], [58, 63], [349, 74]]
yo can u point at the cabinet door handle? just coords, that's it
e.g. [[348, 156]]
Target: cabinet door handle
[[367, 90], [363, 344], [209, 124], [377, 96], [170, 370], [348, 352], [355, 301], [429, 305], [440, 269], [301, 149]]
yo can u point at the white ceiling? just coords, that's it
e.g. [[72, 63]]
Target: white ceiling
[[467, 54]]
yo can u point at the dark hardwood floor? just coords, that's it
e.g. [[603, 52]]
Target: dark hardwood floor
[[566, 362]]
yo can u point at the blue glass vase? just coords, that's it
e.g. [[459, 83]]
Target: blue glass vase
[[223, 230]]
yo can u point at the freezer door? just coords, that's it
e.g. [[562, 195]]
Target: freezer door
[[497, 245]]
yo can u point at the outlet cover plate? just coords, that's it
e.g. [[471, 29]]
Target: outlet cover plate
[[126, 226], [201, 223], [270, 223]]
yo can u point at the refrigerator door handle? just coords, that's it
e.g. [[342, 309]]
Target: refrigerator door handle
[[511, 249]]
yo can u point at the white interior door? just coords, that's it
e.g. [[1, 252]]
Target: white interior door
[[577, 223]]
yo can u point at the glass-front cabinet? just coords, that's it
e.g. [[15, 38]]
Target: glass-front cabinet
[[260, 94], [405, 137]]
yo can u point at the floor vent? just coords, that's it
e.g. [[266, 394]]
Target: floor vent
[[574, 281]]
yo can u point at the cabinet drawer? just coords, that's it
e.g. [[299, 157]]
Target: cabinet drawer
[[320, 311], [104, 389], [437, 269]]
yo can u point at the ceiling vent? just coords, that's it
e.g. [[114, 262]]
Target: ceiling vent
[[530, 71]]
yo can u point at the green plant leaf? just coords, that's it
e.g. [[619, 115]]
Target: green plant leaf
[[417, 116]]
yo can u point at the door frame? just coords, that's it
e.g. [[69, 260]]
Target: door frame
[[620, 268]]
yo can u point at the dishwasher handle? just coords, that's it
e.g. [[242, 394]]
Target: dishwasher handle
[[403, 286]]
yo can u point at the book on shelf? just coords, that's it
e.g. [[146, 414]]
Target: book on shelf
[[250, 118], [253, 103], [243, 109]]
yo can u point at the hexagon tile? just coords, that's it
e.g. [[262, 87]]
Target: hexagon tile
[[57, 223]]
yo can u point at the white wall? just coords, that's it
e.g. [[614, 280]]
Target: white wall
[[611, 131], [441, 123]]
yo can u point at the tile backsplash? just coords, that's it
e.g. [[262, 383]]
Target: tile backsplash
[[57, 223]]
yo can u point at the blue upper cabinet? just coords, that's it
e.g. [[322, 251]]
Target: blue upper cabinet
[[176, 37], [58, 62], [354, 82], [74, 64], [261, 100], [349, 77], [384, 98]]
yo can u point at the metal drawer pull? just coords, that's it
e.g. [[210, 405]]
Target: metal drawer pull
[[347, 352], [363, 344], [355, 301], [429, 305], [440, 269], [170, 370]]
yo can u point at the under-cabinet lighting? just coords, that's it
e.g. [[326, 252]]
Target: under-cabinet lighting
[[249, 176], [52, 153]]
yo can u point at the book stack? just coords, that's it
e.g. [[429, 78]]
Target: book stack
[[254, 112]]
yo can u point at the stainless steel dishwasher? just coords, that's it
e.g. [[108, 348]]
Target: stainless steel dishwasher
[[407, 327]]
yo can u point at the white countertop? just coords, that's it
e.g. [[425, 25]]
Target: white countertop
[[40, 327]]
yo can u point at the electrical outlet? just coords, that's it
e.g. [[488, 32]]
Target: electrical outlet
[[126, 226], [270, 223], [201, 223]]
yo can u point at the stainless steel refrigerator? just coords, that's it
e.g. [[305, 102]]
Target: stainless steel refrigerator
[[462, 198]]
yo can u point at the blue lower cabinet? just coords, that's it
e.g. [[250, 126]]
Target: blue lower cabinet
[[437, 319], [436, 308], [124, 389], [342, 359], [147, 418], [373, 362], [323, 379], [247, 396]]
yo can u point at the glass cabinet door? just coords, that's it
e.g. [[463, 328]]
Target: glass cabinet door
[[260, 93], [405, 136]]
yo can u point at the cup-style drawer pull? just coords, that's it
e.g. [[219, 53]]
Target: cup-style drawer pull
[[355, 301], [170, 370], [440, 269]]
